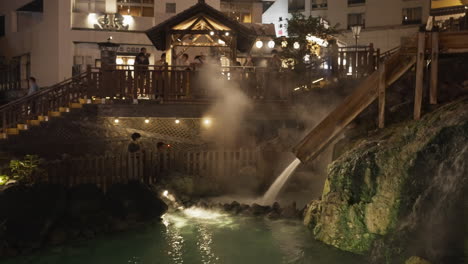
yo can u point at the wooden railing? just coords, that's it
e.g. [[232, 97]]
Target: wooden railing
[[42, 102], [364, 60], [149, 167], [184, 83]]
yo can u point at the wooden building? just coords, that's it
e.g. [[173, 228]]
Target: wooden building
[[201, 30]]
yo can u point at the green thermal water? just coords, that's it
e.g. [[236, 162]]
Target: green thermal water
[[199, 236]]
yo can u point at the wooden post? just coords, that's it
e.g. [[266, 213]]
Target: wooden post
[[382, 88], [418, 93], [434, 68]]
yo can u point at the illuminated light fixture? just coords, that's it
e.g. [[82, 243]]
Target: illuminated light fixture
[[110, 38], [92, 19], [119, 61], [178, 39], [221, 42], [207, 121], [211, 33], [318, 80], [127, 20], [259, 44], [165, 193], [284, 43], [177, 121], [307, 58], [116, 120], [296, 45], [297, 89], [271, 44], [123, 98], [147, 121], [227, 33], [131, 61]]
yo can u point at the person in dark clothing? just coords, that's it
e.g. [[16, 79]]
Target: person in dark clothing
[[142, 59], [134, 146], [141, 71]]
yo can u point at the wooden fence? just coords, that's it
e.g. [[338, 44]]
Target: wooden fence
[[176, 83], [148, 167]]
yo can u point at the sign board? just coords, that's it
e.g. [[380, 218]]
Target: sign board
[[448, 7], [436, 4]]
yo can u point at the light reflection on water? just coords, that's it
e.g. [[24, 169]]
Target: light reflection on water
[[195, 236]]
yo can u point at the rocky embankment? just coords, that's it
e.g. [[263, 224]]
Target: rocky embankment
[[399, 192], [34, 216]]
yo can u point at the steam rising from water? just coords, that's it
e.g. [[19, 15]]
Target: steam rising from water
[[230, 108], [275, 188]]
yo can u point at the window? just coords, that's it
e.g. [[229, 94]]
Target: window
[[170, 8], [316, 4], [2, 26], [239, 11], [143, 8], [356, 2], [90, 6], [356, 19], [412, 16], [296, 5]]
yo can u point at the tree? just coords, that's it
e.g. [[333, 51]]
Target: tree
[[301, 49]]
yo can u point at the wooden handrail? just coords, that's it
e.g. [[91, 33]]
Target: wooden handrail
[[40, 103]]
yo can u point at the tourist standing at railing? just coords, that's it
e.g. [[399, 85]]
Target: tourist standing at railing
[[162, 61], [33, 87], [184, 61], [158, 77], [141, 69]]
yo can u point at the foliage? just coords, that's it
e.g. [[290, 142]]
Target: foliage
[[301, 30], [23, 170]]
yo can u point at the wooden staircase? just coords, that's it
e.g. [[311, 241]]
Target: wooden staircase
[[374, 87], [52, 102]]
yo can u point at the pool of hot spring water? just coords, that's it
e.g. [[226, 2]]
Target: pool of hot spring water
[[195, 236]]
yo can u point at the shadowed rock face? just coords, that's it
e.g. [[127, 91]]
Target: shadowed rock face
[[397, 188]]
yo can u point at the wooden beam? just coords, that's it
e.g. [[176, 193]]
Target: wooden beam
[[418, 92], [434, 68], [382, 87]]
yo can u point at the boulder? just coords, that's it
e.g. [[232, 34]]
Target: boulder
[[416, 260], [134, 201], [290, 211], [257, 209], [29, 212], [386, 186], [86, 206]]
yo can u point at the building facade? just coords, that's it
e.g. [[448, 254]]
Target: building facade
[[54, 39], [384, 22]]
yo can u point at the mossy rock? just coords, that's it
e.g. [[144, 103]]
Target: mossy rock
[[374, 185]]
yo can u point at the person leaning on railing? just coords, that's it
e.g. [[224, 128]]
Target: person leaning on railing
[[141, 69], [33, 88]]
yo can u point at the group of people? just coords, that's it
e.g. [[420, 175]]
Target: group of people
[[135, 146]]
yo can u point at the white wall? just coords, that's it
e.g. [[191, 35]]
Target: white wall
[[272, 15]]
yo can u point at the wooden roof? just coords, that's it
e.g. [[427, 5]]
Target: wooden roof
[[158, 34]]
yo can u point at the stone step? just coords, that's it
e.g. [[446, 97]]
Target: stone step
[[76, 105], [33, 122], [64, 109], [43, 118], [22, 127], [12, 131], [54, 114]]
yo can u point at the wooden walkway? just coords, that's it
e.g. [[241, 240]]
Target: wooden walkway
[[426, 46]]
